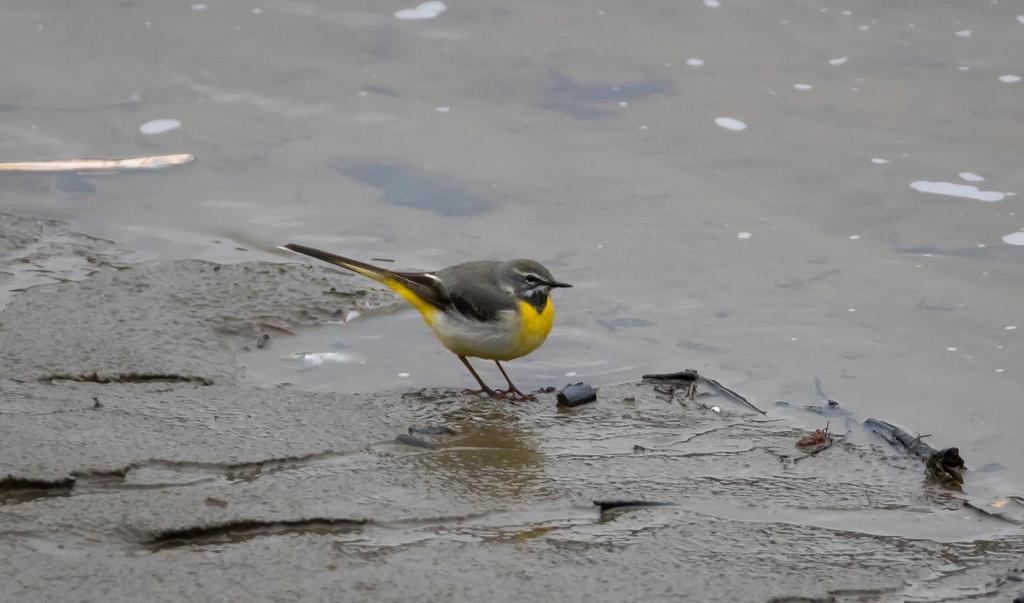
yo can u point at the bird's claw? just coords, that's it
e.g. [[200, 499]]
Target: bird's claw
[[497, 394], [514, 394]]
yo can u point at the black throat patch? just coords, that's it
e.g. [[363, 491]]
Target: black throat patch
[[538, 298]]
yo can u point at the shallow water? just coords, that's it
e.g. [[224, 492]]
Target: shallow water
[[582, 138], [604, 141]]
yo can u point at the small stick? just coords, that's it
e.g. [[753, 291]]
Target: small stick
[[99, 165]]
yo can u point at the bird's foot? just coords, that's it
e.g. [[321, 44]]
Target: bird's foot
[[513, 393], [490, 392]]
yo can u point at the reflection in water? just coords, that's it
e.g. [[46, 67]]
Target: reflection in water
[[492, 456]]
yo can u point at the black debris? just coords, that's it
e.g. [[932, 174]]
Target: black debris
[[431, 430], [608, 505], [416, 442], [687, 375], [576, 394]]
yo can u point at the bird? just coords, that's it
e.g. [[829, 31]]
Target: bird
[[494, 310]]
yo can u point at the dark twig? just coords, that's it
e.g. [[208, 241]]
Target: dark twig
[[731, 394]]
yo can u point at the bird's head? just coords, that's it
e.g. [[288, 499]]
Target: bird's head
[[529, 281]]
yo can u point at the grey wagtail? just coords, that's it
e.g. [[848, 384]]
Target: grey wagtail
[[484, 309]]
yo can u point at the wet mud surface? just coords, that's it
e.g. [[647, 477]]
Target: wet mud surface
[[200, 485]]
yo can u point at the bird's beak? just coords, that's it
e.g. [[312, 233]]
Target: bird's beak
[[554, 284]]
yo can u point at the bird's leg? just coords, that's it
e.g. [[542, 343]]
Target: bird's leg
[[483, 386], [512, 389]]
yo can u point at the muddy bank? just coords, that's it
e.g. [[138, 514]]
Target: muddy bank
[[184, 491], [177, 321], [157, 472]]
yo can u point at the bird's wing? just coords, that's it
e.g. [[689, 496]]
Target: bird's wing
[[426, 286], [479, 301]]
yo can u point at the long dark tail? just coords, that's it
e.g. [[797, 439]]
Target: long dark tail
[[367, 270], [421, 289]]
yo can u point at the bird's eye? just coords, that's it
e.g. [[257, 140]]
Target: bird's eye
[[531, 279]]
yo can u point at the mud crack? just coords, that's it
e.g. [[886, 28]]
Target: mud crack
[[246, 529], [18, 489], [95, 377]]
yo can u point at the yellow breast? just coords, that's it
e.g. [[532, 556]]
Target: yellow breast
[[534, 327]]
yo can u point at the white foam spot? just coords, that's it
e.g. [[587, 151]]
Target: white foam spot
[[804, 87], [792, 338], [851, 309], [403, 375], [257, 11], [571, 374], [964, 67], [695, 62], [879, 161], [970, 177], [863, 27], [951, 349], [427, 10], [159, 126], [854, 237], [442, 109], [838, 60], [352, 315], [953, 189], [198, 7], [1009, 79], [963, 33], [716, 409], [1020, 18], [623, 104], [318, 358], [730, 124], [1000, 370], [1010, 327], [1014, 238], [743, 235], [712, 3]]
